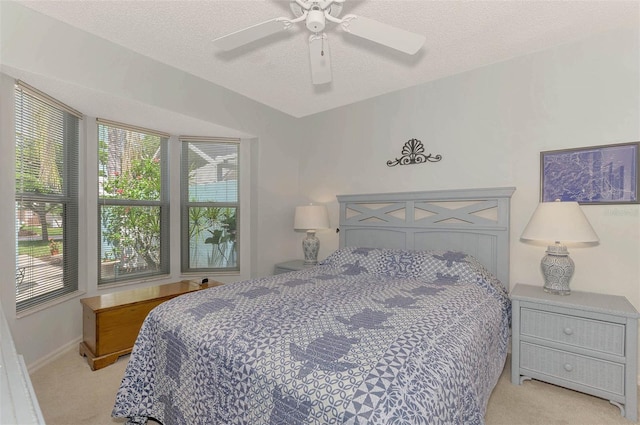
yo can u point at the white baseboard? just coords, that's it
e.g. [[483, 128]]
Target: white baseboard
[[54, 355]]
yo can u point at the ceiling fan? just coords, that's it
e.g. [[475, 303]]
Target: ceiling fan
[[316, 13]]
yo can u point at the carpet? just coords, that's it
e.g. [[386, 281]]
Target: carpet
[[70, 393]]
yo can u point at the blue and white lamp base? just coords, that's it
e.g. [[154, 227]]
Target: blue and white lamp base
[[311, 246], [557, 269]]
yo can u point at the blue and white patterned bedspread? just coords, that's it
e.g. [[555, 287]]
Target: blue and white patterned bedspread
[[368, 337]]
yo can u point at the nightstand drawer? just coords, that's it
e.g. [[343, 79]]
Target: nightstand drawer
[[582, 370], [597, 335]]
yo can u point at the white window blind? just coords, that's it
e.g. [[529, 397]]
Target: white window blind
[[210, 207], [47, 142], [133, 203]]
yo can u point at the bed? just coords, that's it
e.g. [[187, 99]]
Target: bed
[[406, 323]]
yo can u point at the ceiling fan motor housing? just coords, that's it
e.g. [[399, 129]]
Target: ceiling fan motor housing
[[315, 20]]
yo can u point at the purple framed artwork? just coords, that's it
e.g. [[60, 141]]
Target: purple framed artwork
[[592, 175]]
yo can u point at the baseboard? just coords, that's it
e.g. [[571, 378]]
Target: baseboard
[[54, 355]]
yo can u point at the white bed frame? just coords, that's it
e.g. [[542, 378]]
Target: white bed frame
[[474, 221]]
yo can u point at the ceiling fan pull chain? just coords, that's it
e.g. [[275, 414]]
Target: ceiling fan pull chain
[[322, 48]]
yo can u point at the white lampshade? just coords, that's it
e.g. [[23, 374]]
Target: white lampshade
[[559, 222], [311, 217], [562, 223]]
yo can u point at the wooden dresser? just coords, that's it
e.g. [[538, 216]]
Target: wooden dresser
[[111, 322], [583, 341]]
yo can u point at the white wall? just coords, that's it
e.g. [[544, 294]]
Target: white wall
[[490, 126], [101, 79]]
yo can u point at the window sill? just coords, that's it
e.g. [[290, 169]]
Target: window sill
[[124, 284], [204, 275]]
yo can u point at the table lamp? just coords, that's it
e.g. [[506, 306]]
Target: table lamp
[[311, 218], [562, 223]]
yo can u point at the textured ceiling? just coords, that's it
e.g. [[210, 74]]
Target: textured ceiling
[[461, 35]]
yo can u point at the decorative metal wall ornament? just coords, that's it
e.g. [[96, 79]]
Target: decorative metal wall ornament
[[413, 153]]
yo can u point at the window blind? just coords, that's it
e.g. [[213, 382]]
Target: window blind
[[47, 143]]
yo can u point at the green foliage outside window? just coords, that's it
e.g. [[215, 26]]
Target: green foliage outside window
[[216, 226], [130, 228]]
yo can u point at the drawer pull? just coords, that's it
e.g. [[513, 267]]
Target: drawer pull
[[568, 367], [568, 331]]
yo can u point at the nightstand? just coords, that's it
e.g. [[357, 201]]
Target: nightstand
[[291, 266], [586, 342]]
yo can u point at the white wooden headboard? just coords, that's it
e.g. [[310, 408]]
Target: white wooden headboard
[[474, 221]]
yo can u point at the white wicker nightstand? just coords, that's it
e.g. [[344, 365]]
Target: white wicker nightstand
[[583, 341]]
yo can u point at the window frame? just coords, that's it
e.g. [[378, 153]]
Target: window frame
[[186, 204], [163, 204], [68, 198]]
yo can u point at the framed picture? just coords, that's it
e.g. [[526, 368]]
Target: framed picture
[[592, 175]]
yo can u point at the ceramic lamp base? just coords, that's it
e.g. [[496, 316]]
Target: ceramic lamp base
[[310, 247], [557, 269]]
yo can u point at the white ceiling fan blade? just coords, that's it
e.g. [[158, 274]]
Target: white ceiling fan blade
[[252, 33], [320, 59], [396, 38]]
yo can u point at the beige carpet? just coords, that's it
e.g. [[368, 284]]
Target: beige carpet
[[69, 393]]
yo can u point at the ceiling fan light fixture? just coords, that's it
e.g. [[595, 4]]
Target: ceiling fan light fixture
[[315, 20]]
